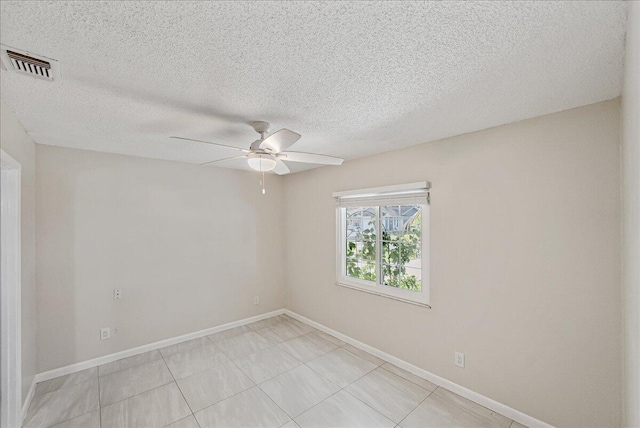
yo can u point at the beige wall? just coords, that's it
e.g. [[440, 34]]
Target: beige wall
[[189, 247], [525, 242], [15, 141], [631, 214]]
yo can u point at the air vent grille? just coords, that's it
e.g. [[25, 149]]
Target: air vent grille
[[26, 63], [29, 64]]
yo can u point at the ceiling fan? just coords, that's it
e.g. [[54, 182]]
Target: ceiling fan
[[268, 152]]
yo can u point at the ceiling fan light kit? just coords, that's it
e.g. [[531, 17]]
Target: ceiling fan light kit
[[260, 162], [268, 153]]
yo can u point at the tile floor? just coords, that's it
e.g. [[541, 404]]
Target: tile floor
[[277, 372]]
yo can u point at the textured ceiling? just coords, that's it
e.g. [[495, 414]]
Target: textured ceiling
[[354, 78]]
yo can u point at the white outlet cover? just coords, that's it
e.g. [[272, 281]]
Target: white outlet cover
[[105, 333], [458, 359]]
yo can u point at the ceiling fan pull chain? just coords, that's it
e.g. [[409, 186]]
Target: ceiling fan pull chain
[[263, 184]]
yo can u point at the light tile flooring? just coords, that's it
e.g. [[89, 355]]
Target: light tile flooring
[[272, 373]]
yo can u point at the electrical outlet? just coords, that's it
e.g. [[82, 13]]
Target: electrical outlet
[[459, 359], [105, 333], [256, 300], [117, 294]]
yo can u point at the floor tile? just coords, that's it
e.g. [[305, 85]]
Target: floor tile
[[184, 346], [264, 365], [291, 424], [156, 408], [128, 362], [242, 345], [67, 403], [281, 332], [367, 356], [446, 409], [286, 317], [195, 360], [298, 390], [250, 408], [88, 420], [305, 327], [329, 338], [343, 410], [409, 376], [64, 381], [306, 348], [212, 385], [265, 323], [389, 394], [341, 367], [188, 422], [133, 381], [227, 334]]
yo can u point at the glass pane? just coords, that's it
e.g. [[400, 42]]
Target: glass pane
[[399, 277], [391, 222], [368, 251], [361, 223], [390, 252], [369, 271], [353, 270], [411, 279], [369, 223], [354, 223], [390, 275], [361, 243], [401, 246]]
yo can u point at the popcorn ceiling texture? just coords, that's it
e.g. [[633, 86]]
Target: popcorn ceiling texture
[[354, 78]]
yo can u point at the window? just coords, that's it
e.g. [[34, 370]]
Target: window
[[382, 244]]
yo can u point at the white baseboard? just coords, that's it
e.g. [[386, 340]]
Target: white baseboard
[[41, 377], [27, 401], [487, 402]]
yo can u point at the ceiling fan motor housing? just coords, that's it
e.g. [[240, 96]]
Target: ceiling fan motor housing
[[261, 128]]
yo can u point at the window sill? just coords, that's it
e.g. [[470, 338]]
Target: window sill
[[377, 293]]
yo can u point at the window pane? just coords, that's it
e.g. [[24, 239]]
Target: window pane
[[361, 223], [369, 223], [354, 223], [361, 243], [352, 268], [369, 270], [401, 246], [368, 251], [390, 252], [390, 275], [391, 222]]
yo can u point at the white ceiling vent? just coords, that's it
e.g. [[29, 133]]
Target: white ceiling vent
[[26, 63]]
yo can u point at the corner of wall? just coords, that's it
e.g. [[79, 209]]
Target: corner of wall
[[285, 239], [630, 159]]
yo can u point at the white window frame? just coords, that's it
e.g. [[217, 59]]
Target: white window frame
[[421, 298]]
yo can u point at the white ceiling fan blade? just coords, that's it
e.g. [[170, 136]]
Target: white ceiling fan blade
[[281, 168], [213, 144], [222, 160], [310, 158], [280, 140]]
